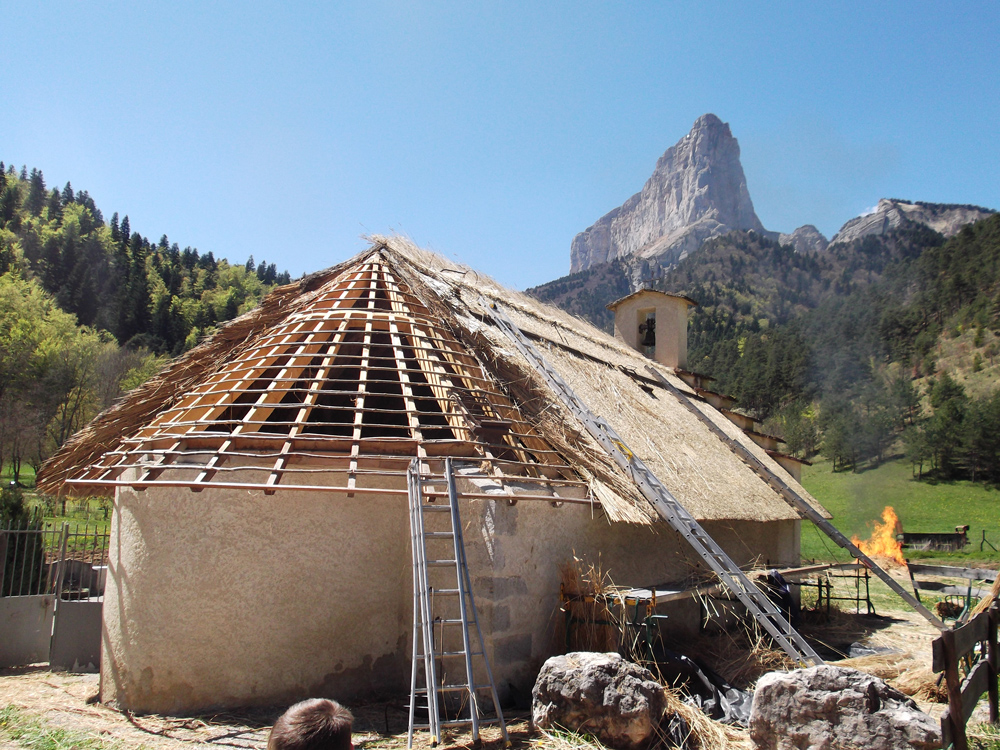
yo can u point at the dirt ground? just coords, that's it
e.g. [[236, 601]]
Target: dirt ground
[[68, 701]]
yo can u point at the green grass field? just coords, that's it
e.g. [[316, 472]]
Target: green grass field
[[79, 513], [857, 500]]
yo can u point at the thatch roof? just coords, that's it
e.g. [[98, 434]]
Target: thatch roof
[[354, 370]]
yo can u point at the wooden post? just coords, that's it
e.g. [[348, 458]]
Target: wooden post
[[954, 683], [991, 655]]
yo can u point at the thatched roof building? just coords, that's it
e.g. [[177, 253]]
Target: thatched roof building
[[286, 572]]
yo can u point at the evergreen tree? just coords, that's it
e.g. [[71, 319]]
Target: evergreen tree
[[55, 207], [944, 429], [37, 193], [10, 201]]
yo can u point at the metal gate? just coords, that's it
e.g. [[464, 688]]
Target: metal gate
[[51, 595]]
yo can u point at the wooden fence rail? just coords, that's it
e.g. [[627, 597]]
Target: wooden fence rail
[[970, 649]]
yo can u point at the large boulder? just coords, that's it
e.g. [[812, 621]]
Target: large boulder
[[836, 708], [617, 701]]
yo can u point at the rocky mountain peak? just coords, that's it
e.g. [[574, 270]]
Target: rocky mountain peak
[[805, 239], [697, 191], [892, 213]]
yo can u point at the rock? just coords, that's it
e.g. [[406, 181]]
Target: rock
[[697, 191], [835, 708], [805, 239], [617, 701], [892, 214]]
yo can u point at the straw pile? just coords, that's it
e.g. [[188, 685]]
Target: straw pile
[[597, 627], [740, 655]]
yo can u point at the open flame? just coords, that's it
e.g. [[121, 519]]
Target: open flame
[[883, 542]]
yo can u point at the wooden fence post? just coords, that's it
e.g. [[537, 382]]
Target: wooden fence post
[[953, 682]]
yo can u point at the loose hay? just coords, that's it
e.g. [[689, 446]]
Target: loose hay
[[591, 624], [907, 673], [741, 656], [706, 733]]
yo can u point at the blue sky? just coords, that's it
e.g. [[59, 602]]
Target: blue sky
[[491, 132]]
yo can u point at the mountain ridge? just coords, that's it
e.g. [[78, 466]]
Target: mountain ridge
[[697, 191], [892, 213]]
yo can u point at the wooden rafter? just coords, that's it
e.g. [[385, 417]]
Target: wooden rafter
[[354, 382]]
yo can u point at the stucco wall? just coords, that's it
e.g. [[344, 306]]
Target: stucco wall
[[523, 547], [234, 598]]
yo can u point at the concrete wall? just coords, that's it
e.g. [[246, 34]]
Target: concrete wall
[[26, 629], [234, 598], [76, 636]]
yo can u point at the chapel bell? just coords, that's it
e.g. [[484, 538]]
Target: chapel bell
[[647, 332]]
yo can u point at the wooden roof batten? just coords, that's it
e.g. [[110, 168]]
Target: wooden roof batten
[[352, 384]]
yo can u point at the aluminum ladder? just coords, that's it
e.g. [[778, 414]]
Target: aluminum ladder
[[448, 651], [756, 602]]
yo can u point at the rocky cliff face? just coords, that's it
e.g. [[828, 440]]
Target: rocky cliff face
[[892, 214], [805, 239], [696, 192]]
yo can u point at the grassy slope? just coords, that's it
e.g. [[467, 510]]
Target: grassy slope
[[856, 500]]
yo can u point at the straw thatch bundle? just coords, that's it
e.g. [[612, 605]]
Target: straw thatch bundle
[[700, 470], [588, 623]]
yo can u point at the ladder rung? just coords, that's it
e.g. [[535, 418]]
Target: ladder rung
[[440, 563], [436, 508], [457, 723], [439, 621], [452, 689], [438, 534], [457, 653], [446, 592]]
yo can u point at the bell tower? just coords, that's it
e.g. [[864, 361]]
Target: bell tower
[[654, 323]]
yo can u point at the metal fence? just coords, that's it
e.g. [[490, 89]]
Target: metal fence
[[68, 561]]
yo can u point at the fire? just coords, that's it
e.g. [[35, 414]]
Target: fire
[[883, 542]]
